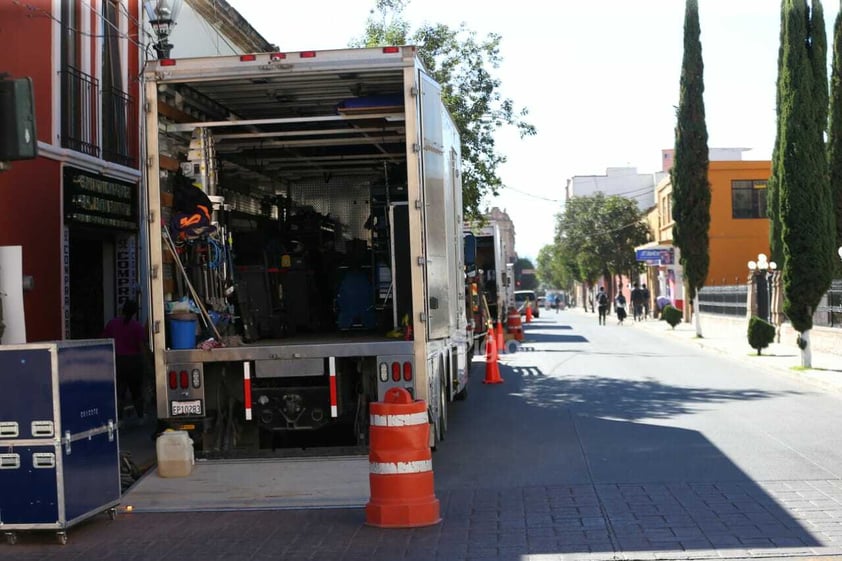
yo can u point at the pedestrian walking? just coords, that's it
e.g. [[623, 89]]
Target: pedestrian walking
[[646, 296], [129, 347], [637, 302], [602, 304], [620, 307]]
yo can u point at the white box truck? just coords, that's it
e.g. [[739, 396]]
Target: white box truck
[[330, 266]]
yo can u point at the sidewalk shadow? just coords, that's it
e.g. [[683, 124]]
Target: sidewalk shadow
[[545, 451]]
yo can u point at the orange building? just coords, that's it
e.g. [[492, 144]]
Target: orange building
[[739, 229]]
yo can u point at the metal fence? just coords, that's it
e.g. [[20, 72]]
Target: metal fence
[[724, 300], [829, 311], [731, 301]]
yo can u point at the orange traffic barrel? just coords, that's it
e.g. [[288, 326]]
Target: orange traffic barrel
[[400, 464], [513, 324]]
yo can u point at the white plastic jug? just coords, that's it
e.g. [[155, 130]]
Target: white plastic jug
[[175, 454]]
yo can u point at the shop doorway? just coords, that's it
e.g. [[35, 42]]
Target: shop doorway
[[91, 280]]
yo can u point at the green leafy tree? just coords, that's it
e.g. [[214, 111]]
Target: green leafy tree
[[597, 235], [525, 274], [808, 231], [464, 65], [835, 130], [689, 175], [551, 272]]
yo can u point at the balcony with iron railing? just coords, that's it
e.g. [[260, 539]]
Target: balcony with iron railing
[[119, 127], [81, 102], [79, 111]]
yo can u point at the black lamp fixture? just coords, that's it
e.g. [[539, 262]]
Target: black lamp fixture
[[162, 15], [762, 272]]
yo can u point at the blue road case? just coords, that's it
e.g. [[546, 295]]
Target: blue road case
[[59, 453]]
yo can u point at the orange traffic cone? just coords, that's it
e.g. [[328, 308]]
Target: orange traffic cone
[[501, 338], [528, 312], [492, 370]]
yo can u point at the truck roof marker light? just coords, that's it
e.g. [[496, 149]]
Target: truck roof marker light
[[384, 372], [167, 62], [407, 371], [391, 49], [396, 371], [274, 57], [248, 58], [307, 54]]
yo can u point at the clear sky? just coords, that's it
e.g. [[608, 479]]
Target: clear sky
[[600, 80]]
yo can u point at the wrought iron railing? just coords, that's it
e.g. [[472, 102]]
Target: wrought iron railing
[[829, 311], [731, 301], [724, 300], [119, 127], [79, 111]]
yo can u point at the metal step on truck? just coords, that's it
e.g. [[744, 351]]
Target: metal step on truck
[[304, 245]]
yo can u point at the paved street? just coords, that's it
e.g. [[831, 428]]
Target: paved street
[[604, 442]]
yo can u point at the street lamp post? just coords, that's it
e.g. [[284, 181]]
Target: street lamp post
[[762, 272], [162, 15]]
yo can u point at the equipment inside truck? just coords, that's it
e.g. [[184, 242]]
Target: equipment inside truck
[[305, 215]]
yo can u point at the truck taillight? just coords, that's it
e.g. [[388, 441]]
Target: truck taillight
[[407, 371], [307, 54], [248, 58], [384, 372], [184, 379], [396, 371], [274, 57], [167, 62], [173, 376], [391, 49]]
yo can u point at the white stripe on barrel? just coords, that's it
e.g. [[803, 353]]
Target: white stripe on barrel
[[396, 468], [399, 420]]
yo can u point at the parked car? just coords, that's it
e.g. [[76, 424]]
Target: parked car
[[522, 296]]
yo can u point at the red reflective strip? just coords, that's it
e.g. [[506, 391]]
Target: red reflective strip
[[333, 402], [247, 389]]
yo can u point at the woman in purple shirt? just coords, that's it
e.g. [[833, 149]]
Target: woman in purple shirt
[[129, 346]]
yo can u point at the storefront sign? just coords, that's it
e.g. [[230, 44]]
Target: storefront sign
[[662, 255], [97, 200]]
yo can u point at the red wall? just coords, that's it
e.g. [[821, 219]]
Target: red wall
[[25, 39], [30, 216]]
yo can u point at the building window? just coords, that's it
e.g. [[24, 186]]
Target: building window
[[748, 198]]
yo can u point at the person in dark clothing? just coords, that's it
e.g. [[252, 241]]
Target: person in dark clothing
[[646, 296], [129, 347], [637, 302], [602, 304]]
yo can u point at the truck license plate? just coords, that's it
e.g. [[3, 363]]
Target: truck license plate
[[193, 407]]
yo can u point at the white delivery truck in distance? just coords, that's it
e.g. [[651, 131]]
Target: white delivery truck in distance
[[330, 267]]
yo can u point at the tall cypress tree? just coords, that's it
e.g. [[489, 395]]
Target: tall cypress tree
[[835, 129], [690, 187], [807, 232], [773, 199]]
